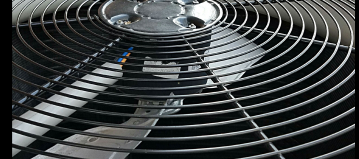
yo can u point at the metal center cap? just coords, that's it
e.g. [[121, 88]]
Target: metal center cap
[[159, 10], [160, 17]]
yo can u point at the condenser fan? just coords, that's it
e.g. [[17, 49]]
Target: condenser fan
[[214, 79]]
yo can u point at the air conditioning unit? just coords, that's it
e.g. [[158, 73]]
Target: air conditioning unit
[[130, 79]]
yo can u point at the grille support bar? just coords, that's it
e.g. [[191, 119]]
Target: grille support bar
[[243, 113], [24, 140], [51, 22], [67, 72]]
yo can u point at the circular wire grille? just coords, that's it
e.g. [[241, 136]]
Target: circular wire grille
[[296, 101]]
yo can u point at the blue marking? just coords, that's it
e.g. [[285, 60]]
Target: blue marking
[[124, 54]]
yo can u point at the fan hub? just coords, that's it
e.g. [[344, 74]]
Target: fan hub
[[164, 17], [159, 10]]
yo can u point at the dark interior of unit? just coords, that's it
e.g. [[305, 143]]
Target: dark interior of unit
[[312, 151]]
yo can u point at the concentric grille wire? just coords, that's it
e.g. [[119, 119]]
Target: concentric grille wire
[[297, 101]]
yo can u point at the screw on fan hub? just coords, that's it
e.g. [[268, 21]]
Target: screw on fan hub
[[160, 17]]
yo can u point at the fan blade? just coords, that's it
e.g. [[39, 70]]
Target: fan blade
[[114, 143]]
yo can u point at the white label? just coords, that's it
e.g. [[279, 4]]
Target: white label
[[169, 69], [195, 67]]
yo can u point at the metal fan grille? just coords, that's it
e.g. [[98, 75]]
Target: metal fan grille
[[298, 96]]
